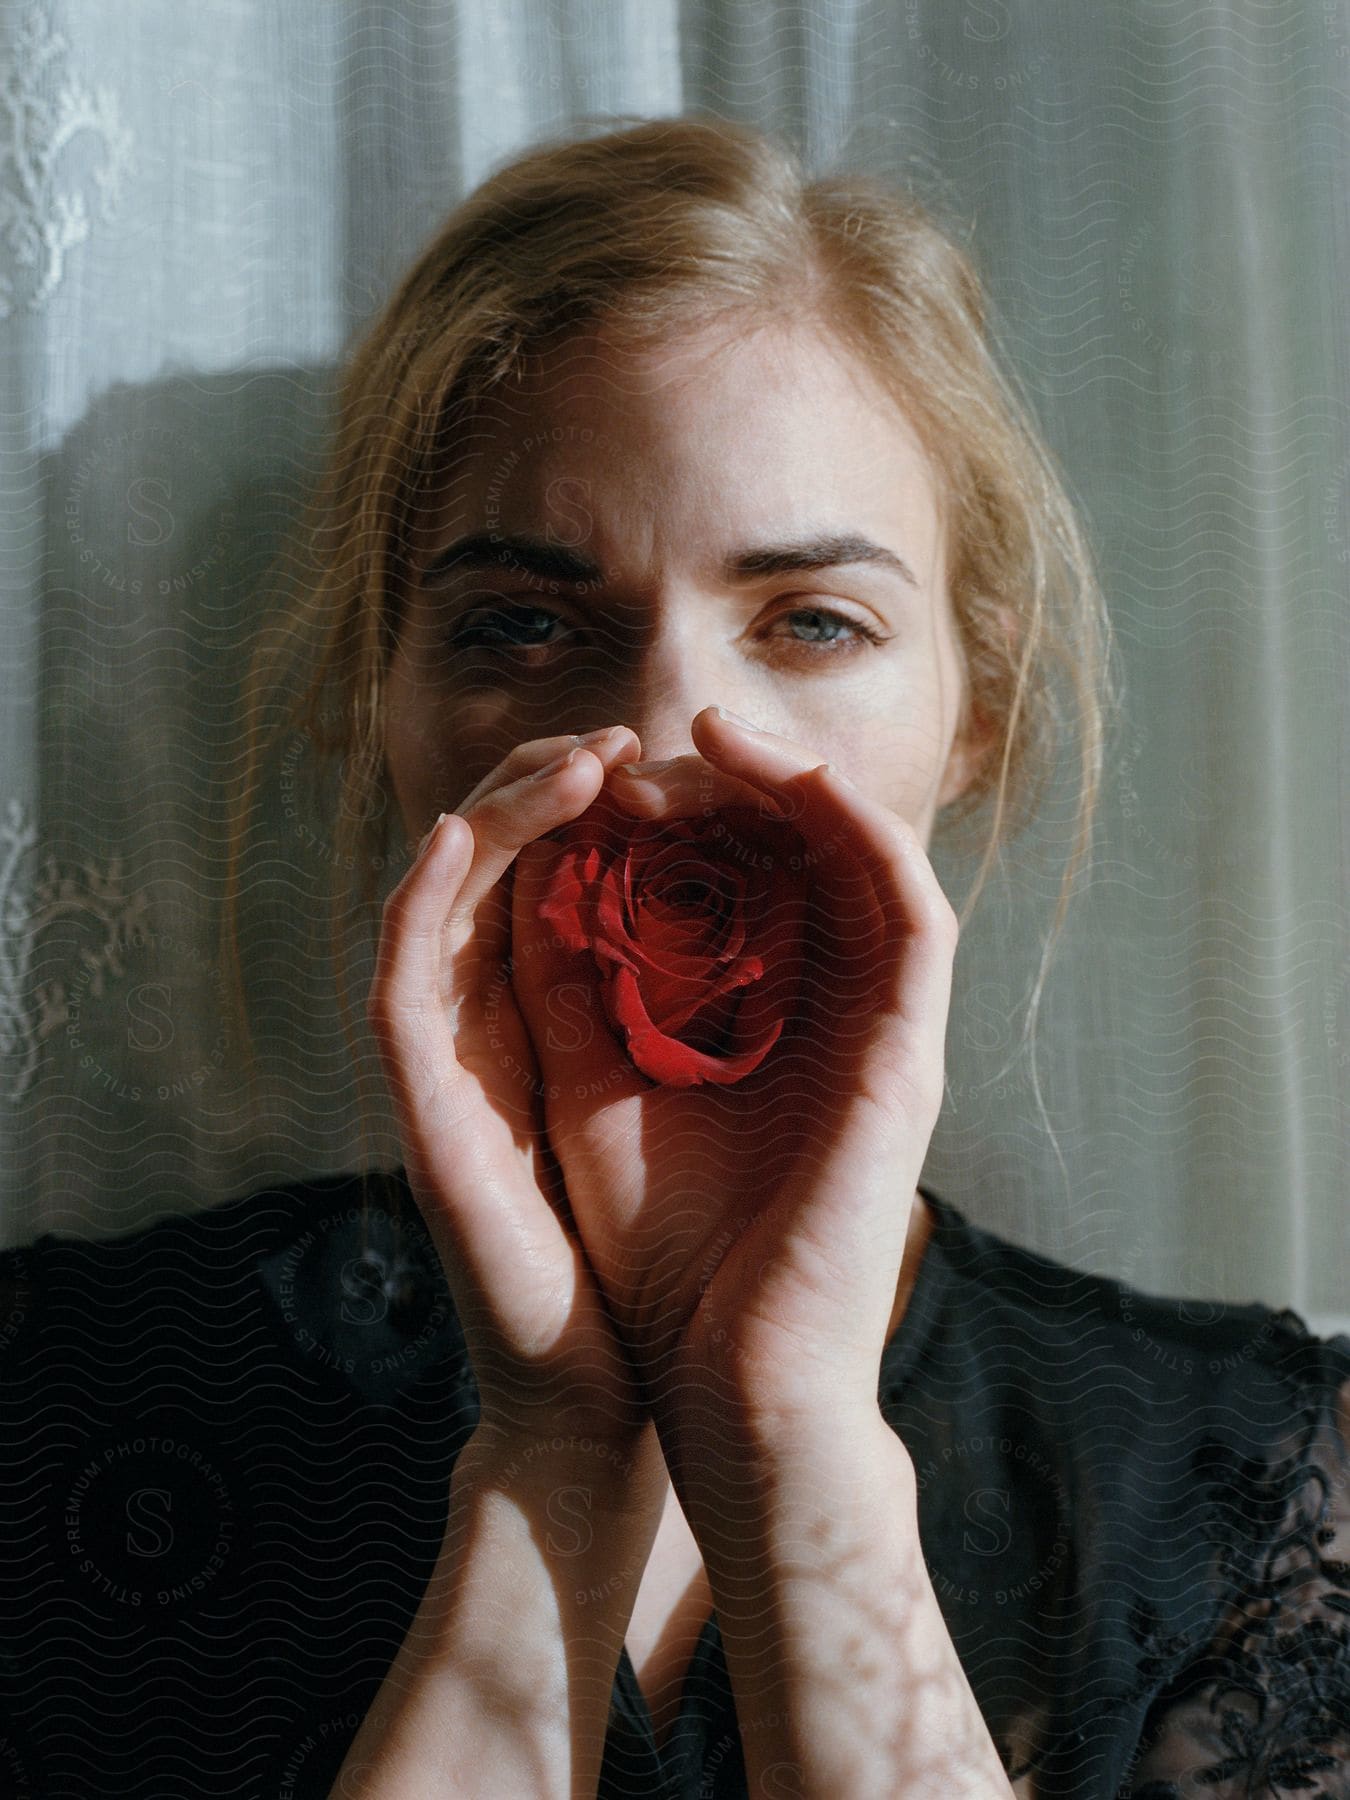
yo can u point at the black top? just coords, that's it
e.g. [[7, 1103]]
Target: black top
[[227, 1441]]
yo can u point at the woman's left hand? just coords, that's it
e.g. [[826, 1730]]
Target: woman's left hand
[[748, 1237]]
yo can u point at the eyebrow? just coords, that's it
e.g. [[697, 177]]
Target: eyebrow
[[534, 555]]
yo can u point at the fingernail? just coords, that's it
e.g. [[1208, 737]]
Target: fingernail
[[589, 737], [647, 768], [421, 848], [553, 768], [735, 718]]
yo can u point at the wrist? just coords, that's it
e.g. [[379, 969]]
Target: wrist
[[784, 1471], [749, 1457], [503, 1681], [620, 1477], [828, 1550]]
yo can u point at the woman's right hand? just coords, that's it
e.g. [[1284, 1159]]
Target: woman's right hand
[[465, 1084]]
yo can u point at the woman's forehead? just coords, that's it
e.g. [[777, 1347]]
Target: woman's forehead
[[700, 426], [781, 360]]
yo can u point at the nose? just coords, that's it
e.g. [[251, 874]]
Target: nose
[[670, 674]]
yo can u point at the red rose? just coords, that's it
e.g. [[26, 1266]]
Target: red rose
[[695, 926]]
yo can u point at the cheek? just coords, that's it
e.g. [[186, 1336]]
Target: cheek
[[895, 755], [485, 724], [477, 734], [433, 748], [483, 733]]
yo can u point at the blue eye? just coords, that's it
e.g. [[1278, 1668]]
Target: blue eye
[[856, 626], [480, 632], [472, 633]]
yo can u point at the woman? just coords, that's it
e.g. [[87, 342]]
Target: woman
[[671, 489]]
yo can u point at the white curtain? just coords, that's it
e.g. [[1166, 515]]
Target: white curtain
[[200, 205]]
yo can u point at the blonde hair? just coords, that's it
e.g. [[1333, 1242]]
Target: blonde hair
[[640, 229]]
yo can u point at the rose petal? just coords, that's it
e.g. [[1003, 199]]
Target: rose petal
[[674, 1064], [725, 972]]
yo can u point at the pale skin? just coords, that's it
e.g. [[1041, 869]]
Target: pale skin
[[582, 1303]]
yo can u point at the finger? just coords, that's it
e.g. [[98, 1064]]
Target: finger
[[866, 828], [680, 787], [894, 930], [507, 818], [497, 1244], [411, 919], [531, 794], [435, 917], [547, 793], [610, 742]]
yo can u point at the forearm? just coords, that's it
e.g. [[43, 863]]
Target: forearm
[[846, 1682], [502, 1685]]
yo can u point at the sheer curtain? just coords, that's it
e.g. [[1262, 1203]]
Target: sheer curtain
[[199, 207]]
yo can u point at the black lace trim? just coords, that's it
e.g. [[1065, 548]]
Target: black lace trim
[[1274, 1683]]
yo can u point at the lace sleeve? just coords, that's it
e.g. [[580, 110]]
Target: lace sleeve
[[1264, 1713]]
